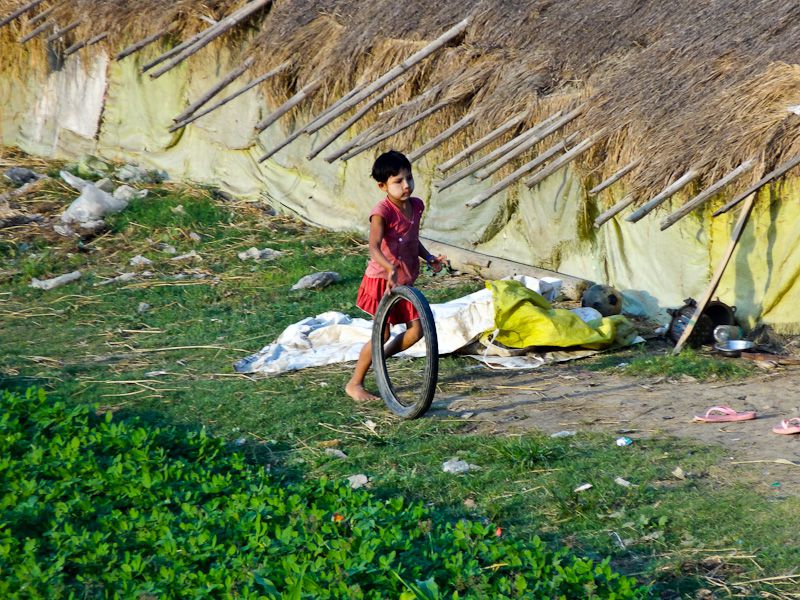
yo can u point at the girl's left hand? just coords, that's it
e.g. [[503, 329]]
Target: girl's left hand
[[437, 262]]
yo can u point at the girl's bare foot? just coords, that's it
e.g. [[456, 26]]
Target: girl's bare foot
[[357, 392]]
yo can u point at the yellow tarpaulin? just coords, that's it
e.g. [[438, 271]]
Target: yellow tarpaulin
[[524, 318]]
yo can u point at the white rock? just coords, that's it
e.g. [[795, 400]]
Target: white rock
[[188, 256], [118, 279], [256, 254], [336, 453], [583, 487], [622, 482], [143, 307], [358, 481], [563, 434], [49, 284], [457, 467], [317, 281], [127, 193], [140, 261]]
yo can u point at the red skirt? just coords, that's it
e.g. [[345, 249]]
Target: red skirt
[[371, 291]]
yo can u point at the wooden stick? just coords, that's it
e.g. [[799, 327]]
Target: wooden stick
[[54, 36], [83, 44], [614, 210], [516, 146], [614, 178], [405, 125], [706, 194], [343, 106], [41, 16], [761, 182], [229, 78], [463, 122], [136, 46], [662, 196], [352, 120], [715, 279], [315, 124], [211, 34], [172, 51], [484, 141], [289, 104], [236, 94], [523, 170], [526, 145], [28, 37], [353, 143], [20, 11], [565, 159]]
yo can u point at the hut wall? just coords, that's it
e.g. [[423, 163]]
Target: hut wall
[[94, 105]]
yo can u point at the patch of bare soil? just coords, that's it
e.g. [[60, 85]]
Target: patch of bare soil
[[568, 397]]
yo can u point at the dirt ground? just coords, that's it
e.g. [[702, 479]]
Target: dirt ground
[[568, 397]]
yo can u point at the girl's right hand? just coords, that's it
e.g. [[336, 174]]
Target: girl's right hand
[[391, 280]]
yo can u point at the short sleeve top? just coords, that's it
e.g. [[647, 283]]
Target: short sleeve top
[[400, 243]]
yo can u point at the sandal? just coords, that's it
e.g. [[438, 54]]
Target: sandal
[[788, 426], [724, 414]]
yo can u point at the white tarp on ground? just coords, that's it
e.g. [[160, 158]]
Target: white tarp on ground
[[333, 337]]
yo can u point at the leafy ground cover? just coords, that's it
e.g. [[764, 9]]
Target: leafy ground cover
[[170, 366]]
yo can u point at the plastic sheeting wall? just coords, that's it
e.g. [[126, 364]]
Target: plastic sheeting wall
[[111, 110]]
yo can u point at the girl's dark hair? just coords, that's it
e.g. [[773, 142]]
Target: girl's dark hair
[[388, 165]]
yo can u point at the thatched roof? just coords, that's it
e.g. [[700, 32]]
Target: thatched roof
[[679, 85]]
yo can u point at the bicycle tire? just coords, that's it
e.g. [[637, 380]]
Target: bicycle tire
[[431, 372]]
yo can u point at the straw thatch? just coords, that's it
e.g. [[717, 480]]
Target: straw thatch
[[676, 85]]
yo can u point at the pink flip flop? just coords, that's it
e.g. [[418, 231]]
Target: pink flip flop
[[724, 414], [788, 426]]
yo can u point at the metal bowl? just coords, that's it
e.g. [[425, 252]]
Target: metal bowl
[[734, 348]]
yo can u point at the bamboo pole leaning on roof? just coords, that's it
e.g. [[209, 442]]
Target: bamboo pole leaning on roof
[[484, 141], [136, 46], [36, 31], [211, 34], [230, 97], [663, 195], [528, 144], [523, 170], [614, 178], [342, 106], [301, 95], [63, 31], [352, 120], [42, 15], [229, 78], [20, 11], [774, 174], [172, 51], [84, 43], [706, 194], [315, 124], [614, 210], [463, 122], [565, 159], [401, 127]]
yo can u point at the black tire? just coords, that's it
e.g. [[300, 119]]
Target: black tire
[[421, 402]]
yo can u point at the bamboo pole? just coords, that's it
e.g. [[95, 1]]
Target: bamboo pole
[[662, 196], [230, 97], [778, 172], [213, 33], [516, 146], [83, 44], [229, 78], [20, 11], [463, 122], [352, 120], [32, 34], [614, 178], [484, 160], [61, 32], [136, 46], [42, 15], [565, 159], [315, 124], [523, 170], [403, 126], [343, 106], [289, 104], [173, 51], [715, 279], [353, 143], [484, 141], [707, 193], [614, 210]]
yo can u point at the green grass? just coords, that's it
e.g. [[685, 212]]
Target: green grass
[[692, 363], [89, 344]]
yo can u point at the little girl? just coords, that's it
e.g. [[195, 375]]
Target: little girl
[[394, 251]]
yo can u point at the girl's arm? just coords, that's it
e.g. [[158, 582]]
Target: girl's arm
[[376, 232], [436, 262]]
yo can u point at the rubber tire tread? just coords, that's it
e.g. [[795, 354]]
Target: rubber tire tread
[[431, 373]]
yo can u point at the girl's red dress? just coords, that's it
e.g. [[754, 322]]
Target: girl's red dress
[[400, 246]]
